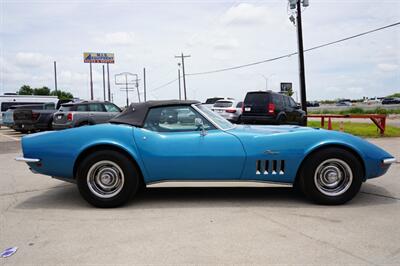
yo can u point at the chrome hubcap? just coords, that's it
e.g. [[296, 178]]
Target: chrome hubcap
[[105, 179], [333, 177]]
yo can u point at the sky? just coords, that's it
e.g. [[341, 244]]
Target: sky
[[216, 34]]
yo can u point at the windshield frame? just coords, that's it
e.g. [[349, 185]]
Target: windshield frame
[[210, 119]]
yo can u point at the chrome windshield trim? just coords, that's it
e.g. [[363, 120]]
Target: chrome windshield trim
[[209, 119], [389, 161], [27, 160]]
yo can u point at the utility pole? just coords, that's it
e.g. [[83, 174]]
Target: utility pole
[[144, 83], [179, 82], [137, 87], [55, 76], [296, 4], [183, 72], [134, 82], [104, 84], [91, 81], [126, 86], [108, 80], [301, 59]]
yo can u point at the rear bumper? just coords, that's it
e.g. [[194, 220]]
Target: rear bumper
[[27, 160], [258, 119], [62, 126], [23, 126]]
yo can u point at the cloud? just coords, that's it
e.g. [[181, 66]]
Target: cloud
[[71, 77], [117, 38], [245, 14], [24, 59], [388, 67]]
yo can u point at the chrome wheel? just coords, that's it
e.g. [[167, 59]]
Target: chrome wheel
[[333, 177], [105, 179]]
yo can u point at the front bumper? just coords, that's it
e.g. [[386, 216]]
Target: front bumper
[[389, 161]]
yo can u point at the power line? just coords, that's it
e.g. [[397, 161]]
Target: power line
[[294, 53], [164, 85]]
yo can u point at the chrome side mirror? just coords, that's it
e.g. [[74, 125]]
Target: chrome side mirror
[[198, 122]]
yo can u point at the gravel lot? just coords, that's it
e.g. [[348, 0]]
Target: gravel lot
[[51, 224]]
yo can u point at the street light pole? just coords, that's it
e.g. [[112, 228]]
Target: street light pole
[[183, 72], [266, 79], [55, 76], [179, 81]]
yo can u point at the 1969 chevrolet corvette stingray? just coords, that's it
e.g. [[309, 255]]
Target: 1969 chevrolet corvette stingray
[[184, 141]]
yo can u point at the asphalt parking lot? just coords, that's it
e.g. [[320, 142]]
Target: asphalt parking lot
[[51, 224]]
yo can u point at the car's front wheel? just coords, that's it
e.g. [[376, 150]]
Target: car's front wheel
[[331, 176], [107, 179]]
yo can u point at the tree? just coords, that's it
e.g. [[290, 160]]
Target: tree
[[41, 91], [394, 95], [289, 92], [62, 95], [25, 90]]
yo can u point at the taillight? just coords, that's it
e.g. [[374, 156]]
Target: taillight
[[69, 117], [230, 111], [271, 108], [35, 116]]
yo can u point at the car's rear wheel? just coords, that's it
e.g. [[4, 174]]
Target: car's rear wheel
[[331, 176], [282, 120], [107, 179]]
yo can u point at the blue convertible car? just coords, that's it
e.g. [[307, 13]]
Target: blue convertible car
[[174, 140]]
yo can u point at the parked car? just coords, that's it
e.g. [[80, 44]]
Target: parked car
[[110, 162], [11, 99], [8, 116], [344, 103], [267, 107], [229, 109], [38, 118], [84, 113], [210, 101], [391, 101], [370, 101], [313, 104]]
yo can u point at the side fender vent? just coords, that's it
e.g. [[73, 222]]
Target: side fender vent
[[266, 167]]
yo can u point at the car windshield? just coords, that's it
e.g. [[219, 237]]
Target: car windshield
[[66, 108], [217, 119]]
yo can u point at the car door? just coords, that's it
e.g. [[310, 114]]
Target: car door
[[296, 111], [289, 109], [97, 113], [172, 147]]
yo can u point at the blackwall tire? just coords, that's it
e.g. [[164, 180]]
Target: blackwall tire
[[107, 179], [331, 176]]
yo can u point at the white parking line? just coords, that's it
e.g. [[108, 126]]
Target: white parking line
[[11, 134]]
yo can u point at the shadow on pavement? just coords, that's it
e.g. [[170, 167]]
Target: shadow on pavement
[[67, 197]]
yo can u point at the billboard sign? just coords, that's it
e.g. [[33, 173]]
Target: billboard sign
[[286, 86], [101, 58]]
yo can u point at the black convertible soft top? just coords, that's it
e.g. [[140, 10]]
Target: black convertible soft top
[[136, 113]]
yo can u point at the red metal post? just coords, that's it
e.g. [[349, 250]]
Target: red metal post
[[322, 121], [329, 124], [383, 125]]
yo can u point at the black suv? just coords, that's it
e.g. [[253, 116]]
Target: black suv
[[269, 107]]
